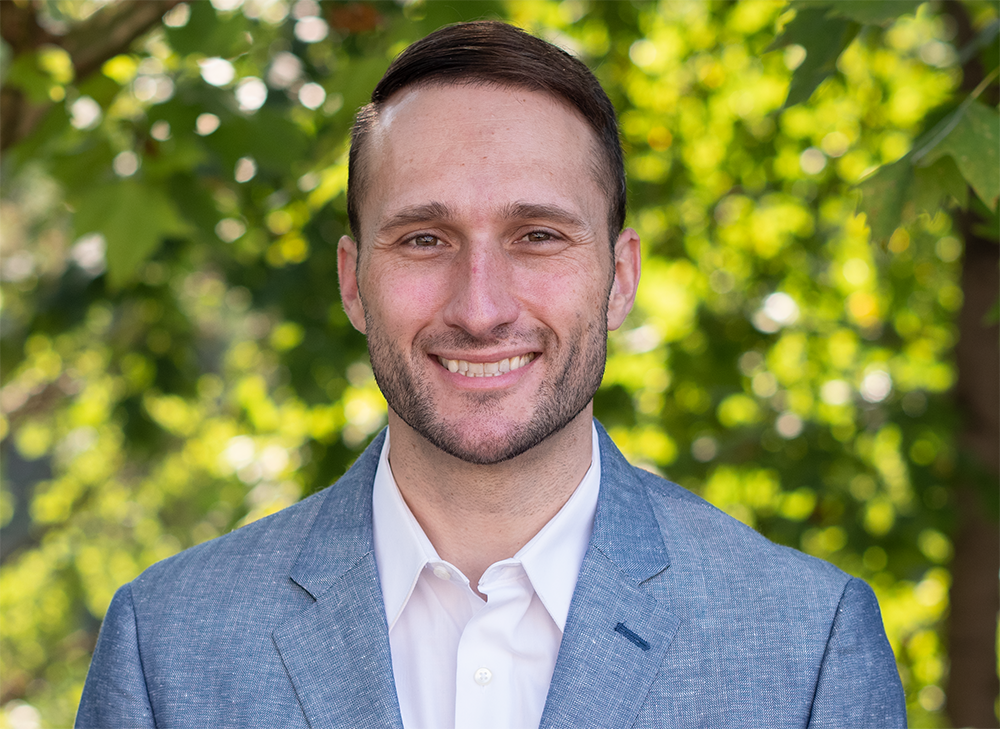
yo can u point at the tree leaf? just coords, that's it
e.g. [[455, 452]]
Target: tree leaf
[[872, 12], [206, 34], [971, 138], [823, 39], [986, 222], [5, 59], [134, 219], [883, 196], [25, 74], [992, 317], [76, 171], [938, 182]]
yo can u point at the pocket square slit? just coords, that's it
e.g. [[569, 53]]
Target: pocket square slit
[[632, 637]]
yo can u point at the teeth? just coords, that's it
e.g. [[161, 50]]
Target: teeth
[[486, 369]]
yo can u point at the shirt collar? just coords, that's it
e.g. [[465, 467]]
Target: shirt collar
[[551, 559], [401, 547]]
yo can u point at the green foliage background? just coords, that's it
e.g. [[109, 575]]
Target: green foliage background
[[176, 362]]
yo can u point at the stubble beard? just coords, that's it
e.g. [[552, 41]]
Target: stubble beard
[[561, 396]]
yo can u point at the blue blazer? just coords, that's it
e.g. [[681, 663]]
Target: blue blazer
[[682, 617]]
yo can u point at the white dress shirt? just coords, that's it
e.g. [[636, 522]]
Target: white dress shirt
[[460, 662]]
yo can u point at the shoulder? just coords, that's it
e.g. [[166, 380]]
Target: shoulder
[[265, 545], [742, 589], [805, 638], [698, 536], [264, 552], [695, 528]]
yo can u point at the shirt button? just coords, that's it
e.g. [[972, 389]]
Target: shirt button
[[483, 676], [442, 572]]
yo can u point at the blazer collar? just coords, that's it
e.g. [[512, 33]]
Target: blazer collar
[[336, 651], [341, 535], [625, 527], [620, 623]]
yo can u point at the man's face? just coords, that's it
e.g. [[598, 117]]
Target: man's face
[[486, 282]]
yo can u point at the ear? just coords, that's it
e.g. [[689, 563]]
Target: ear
[[628, 266], [347, 272]]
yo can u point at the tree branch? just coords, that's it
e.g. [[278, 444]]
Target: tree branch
[[972, 70], [18, 116], [19, 27], [104, 35], [110, 31]]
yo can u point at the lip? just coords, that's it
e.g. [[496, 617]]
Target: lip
[[481, 356], [485, 380]]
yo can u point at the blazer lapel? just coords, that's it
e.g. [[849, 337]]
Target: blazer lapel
[[619, 624], [337, 651]]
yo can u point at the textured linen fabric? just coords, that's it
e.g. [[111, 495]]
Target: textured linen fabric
[[441, 634], [681, 617]]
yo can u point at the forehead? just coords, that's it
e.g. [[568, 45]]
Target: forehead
[[471, 146]]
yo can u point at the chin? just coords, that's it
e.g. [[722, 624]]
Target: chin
[[479, 444], [481, 452]]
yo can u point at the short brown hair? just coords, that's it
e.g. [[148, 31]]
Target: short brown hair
[[491, 52]]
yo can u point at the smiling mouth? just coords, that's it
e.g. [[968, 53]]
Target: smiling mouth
[[486, 369]]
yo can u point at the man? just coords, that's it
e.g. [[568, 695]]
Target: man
[[491, 560]]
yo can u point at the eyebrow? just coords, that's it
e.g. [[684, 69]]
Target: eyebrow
[[436, 212], [426, 213], [536, 211]]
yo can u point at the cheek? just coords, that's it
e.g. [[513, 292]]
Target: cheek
[[398, 299], [578, 290]]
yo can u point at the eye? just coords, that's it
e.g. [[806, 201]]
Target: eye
[[538, 236], [424, 241]]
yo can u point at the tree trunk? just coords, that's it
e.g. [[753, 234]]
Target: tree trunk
[[975, 600], [973, 685]]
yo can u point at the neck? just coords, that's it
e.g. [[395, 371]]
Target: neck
[[476, 515]]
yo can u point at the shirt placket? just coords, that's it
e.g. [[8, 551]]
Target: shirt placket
[[485, 694]]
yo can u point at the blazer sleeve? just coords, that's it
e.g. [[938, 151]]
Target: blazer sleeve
[[858, 683], [115, 695]]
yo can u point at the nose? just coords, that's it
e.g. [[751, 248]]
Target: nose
[[481, 295]]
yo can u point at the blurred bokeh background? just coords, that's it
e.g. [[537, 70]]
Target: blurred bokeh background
[[815, 356]]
